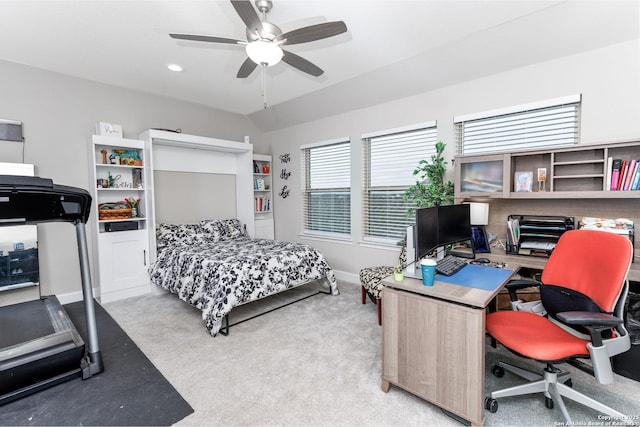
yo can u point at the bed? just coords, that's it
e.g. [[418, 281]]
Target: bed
[[215, 266]]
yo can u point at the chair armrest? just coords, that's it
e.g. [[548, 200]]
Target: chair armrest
[[594, 322], [514, 285], [588, 318]]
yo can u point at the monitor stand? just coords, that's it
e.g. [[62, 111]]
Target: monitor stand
[[414, 271], [468, 252]]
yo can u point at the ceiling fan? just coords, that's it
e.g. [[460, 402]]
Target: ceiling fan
[[264, 39]]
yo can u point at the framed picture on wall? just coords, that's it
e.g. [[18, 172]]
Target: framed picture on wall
[[479, 239]]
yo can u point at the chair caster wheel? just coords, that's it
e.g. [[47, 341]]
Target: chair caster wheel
[[491, 404], [498, 371], [548, 402]]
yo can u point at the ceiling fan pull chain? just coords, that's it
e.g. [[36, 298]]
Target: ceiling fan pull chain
[[264, 86]]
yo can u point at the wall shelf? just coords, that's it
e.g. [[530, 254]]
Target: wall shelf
[[576, 172]]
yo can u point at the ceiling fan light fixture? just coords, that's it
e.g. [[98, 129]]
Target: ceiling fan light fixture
[[264, 52]]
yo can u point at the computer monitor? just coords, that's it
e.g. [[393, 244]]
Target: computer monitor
[[441, 226]]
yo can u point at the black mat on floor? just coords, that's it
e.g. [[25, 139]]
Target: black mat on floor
[[130, 391]]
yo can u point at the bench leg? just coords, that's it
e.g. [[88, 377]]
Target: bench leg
[[364, 295], [379, 304]]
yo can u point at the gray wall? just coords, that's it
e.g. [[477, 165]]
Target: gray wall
[[607, 79], [59, 115]]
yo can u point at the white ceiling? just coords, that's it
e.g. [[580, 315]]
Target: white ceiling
[[396, 47]]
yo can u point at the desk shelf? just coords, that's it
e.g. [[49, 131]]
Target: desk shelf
[[576, 172]]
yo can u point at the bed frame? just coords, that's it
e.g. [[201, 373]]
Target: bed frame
[[224, 330]]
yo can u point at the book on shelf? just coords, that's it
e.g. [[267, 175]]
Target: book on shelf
[[624, 175], [631, 170], [262, 204], [623, 171], [635, 183], [608, 174], [615, 174]]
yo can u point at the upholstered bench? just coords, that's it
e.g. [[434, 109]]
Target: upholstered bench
[[371, 281]]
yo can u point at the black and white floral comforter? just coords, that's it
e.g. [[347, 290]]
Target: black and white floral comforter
[[215, 277]]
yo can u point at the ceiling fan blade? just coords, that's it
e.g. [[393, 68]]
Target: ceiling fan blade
[[313, 33], [302, 64], [248, 15], [211, 39], [246, 68]]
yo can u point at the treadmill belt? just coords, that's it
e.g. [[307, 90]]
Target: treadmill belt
[[24, 322]]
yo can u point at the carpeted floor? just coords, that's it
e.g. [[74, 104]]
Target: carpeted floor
[[316, 362], [130, 391]]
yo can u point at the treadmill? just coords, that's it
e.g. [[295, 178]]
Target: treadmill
[[39, 345]]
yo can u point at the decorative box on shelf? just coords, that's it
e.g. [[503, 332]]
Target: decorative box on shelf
[[108, 129]]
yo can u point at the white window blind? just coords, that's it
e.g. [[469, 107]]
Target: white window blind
[[533, 126], [326, 185], [389, 162]]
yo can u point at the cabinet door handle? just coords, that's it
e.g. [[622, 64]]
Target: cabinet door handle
[[144, 257]]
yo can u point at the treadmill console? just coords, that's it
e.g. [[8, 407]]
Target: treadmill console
[[30, 200]]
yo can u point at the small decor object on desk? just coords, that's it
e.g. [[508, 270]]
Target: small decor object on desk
[[398, 275], [133, 204], [523, 182], [479, 239], [542, 178]]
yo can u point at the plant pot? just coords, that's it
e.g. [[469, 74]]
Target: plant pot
[[398, 277]]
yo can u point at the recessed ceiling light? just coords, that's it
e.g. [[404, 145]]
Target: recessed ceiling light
[[174, 67]]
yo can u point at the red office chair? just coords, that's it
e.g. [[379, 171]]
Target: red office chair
[[584, 286]]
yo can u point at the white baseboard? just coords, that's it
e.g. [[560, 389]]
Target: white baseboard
[[347, 277], [71, 297], [108, 297], [77, 296]]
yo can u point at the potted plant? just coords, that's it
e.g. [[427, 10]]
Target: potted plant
[[430, 188], [398, 274]]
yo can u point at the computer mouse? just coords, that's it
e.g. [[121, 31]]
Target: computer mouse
[[481, 261]]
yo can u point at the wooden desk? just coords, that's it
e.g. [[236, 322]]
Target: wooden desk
[[433, 343]]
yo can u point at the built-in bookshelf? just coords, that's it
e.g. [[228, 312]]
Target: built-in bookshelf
[[263, 196], [121, 242]]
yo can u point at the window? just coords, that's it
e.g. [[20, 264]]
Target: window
[[389, 160], [543, 124], [326, 185]]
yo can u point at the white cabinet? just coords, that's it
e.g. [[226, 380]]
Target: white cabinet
[[121, 240], [263, 196]]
